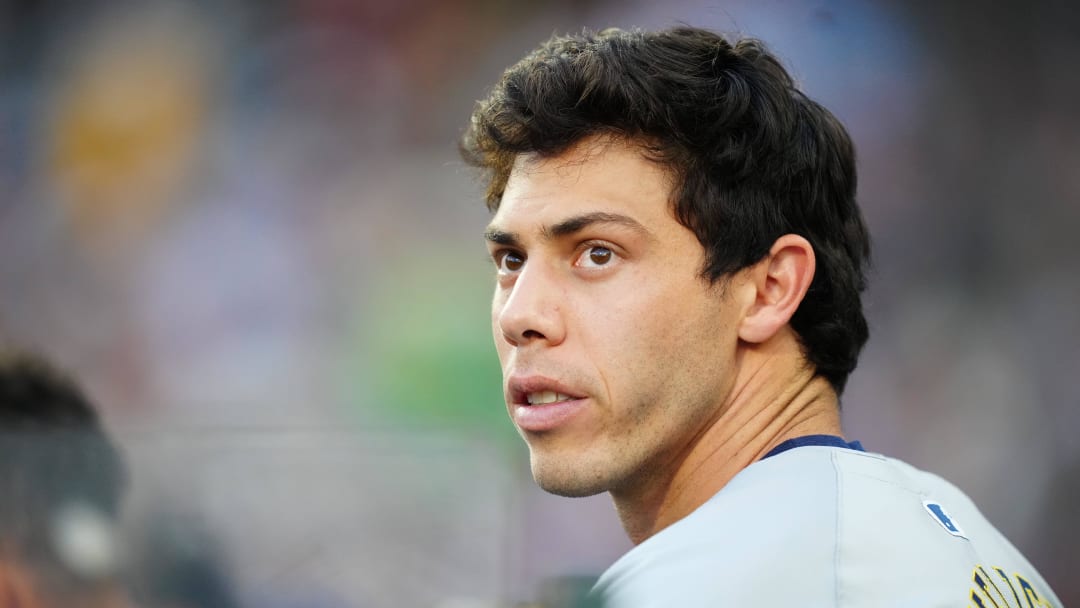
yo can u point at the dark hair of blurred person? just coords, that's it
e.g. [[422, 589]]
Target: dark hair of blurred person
[[61, 484]]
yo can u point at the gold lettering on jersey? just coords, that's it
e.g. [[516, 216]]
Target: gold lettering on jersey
[[999, 590], [1005, 577]]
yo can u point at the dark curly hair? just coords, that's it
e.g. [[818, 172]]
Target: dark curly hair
[[752, 156]]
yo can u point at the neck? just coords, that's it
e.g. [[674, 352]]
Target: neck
[[775, 397]]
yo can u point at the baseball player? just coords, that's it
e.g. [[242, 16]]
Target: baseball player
[[679, 265]]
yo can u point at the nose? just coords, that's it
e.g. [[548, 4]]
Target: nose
[[530, 311]]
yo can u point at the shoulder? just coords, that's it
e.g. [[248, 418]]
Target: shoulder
[[820, 526], [777, 518], [903, 531]]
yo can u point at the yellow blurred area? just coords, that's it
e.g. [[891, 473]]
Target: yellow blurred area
[[126, 129]]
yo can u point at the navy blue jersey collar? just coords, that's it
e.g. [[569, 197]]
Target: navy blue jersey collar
[[805, 440]]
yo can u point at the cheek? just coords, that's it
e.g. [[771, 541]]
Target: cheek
[[666, 317], [498, 300], [683, 340], [501, 346], [648, 339], [502, 349]]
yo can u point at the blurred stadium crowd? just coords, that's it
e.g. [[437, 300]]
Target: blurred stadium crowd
[[244, 226]]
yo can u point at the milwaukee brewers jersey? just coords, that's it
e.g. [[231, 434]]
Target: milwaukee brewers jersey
[[821, 525]]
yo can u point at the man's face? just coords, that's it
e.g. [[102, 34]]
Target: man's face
[[616, 354]]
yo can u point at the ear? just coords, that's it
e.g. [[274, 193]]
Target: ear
[[777, 285]]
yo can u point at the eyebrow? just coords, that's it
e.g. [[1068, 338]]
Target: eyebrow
[[500, 237], [568, 227]]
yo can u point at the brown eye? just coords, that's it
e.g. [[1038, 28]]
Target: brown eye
[[508, 261], [595, 256], [599, 255]]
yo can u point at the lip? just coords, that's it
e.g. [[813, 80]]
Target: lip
[[541, 417]]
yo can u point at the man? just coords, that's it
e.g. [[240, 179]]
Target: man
[[679, 265], [61, 482]]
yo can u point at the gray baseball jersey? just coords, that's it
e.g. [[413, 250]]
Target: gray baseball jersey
[[820, 525]]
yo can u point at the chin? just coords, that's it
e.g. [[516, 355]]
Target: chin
[[568, 490], [570, 478]]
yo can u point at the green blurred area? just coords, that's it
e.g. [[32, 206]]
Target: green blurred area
[[429, 352]]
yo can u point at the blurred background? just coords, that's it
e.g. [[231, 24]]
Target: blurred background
[[244, 227]]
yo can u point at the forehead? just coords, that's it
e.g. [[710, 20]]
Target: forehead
[[595, 175]]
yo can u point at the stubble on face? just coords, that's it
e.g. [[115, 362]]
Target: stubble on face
[[650, 340], [660, 393]]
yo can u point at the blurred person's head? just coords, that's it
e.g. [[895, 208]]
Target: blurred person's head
[[61, 484], [749, 157]]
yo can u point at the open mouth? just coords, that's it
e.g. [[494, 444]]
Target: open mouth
[[545, 397], [539, 411]]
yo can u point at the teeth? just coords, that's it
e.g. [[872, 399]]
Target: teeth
[[544, 397]]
